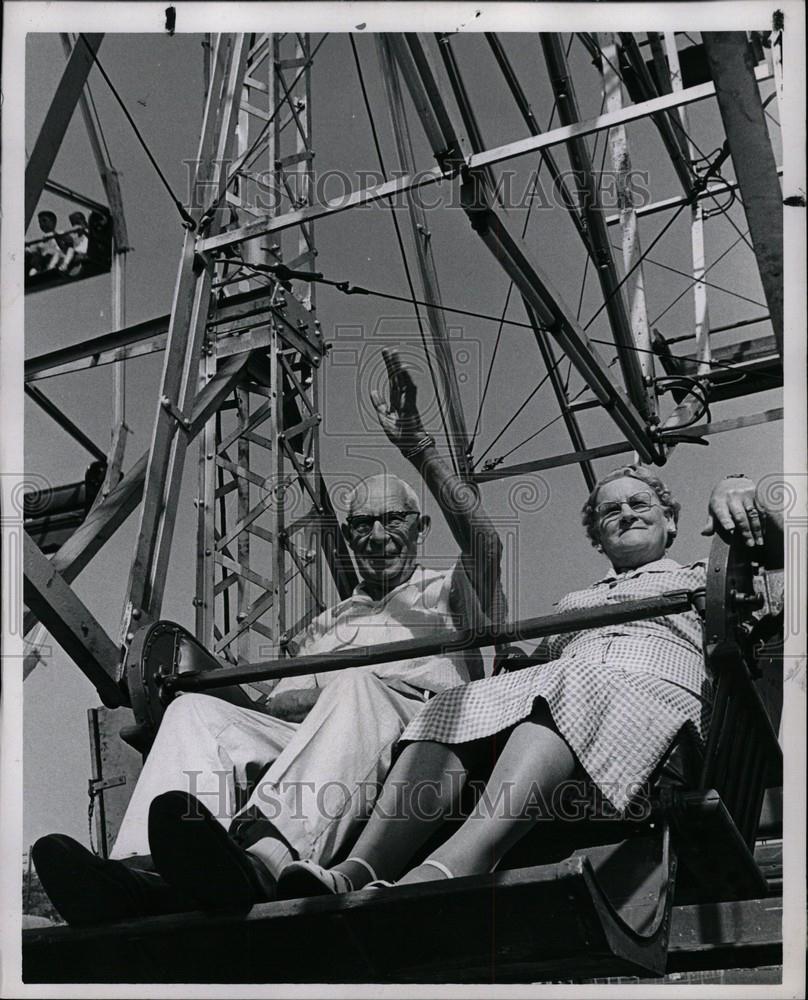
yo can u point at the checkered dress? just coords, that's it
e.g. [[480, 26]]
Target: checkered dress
[[619, 695]]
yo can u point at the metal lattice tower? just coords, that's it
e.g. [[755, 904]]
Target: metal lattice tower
[[260, 497]]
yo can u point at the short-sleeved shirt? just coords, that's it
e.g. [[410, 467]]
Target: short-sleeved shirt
[[428, 602], [677, 638]]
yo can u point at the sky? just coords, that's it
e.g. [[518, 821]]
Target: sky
[[160, 79]]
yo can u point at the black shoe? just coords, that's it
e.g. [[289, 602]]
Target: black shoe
[[86, 889], [194, 853]]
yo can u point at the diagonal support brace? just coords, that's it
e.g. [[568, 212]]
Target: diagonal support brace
[[71, 624], [57, 119], [742, 113], [553, 313]]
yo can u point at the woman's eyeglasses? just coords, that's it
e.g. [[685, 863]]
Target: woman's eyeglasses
[[363, 524], [638, 502]]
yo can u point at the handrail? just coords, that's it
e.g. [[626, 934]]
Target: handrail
[[450, 640]]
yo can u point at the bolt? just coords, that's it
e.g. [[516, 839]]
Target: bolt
[[240, 617], [136, 613], [209, 456], [130, 636], [208, 552], [197, 602]]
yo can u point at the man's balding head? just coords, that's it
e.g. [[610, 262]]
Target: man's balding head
[[384, 489], [383, 527]]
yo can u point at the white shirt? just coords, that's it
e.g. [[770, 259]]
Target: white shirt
[[428, 602]]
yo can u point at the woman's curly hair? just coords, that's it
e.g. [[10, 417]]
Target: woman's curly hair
[[667, 500]]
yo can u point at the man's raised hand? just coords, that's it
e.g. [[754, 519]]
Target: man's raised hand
[[400, 418]]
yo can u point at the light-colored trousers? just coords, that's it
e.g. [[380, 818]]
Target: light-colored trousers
[[323, 776]]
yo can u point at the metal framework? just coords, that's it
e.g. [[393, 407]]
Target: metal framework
[[242, 346]]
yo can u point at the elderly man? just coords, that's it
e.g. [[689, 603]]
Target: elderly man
[[323, 742]]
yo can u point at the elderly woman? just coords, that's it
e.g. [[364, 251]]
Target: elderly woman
[[607, 706]]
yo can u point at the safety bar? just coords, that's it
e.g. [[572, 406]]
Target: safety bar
[[450, 640]]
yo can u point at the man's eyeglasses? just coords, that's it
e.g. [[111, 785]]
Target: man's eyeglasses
[[639, 503], [362, 524]]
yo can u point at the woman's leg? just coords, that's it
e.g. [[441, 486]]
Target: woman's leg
[[421, 788], [534, 761]]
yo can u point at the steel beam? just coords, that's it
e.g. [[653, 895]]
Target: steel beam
[[633, 112], [553, 314], [510, 250], [64, 422], [80, 199], [470, 123], [430, 105], [733, 424], [109, 177], [671, 74], [534, 128], [56, 121], [741, 110], [99, 350], [634, 275], [70, 623], [592, 211], [107, 516], [278, 223], [477, 144], [570, 421], [476, 138], [421, 238], [621, 447], [671, 602], [666, 204], [553, 462], [235, 314], [499, 154], [188, 318], [669, 128]]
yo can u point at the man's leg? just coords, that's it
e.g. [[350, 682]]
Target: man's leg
[[325, 781], [204, 746]]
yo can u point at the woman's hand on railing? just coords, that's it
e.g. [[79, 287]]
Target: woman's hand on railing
[[733, 506]]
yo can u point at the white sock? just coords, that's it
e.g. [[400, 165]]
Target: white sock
[[274, 854]]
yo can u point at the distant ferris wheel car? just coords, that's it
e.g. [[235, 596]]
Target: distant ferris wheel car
[[61, 255]]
